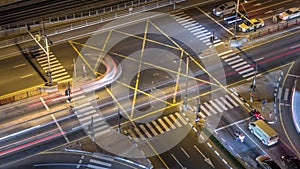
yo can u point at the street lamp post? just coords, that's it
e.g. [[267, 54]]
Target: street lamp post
[[47, 50], [253, 85], [186, 83]]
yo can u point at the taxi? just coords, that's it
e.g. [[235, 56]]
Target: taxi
[[251, 24]]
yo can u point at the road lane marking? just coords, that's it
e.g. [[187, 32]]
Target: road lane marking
[[175, 120], [169, 122], [22, 77], [291, 75], [151, 129], [44, 103], [60, 129], [163, 124], [23, 64], [185, 152], [177, 161], [145, 131], [215, 21], [158, 127]]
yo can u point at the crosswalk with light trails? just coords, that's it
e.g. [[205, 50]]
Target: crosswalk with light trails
[[86, 113], [59, 73], [176, 120], [195, 28]]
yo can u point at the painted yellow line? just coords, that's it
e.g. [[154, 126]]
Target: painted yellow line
[[139, 69], [148, 40], [83, 59], [100, 58], [280, 114]]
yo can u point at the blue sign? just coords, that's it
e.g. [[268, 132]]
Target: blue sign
[[264, 101]]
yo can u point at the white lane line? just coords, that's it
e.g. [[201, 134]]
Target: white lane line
[[194, 24], [246, 70], [180, 117], [241, 68], [22, 77], [169, 122], [249, 74], [186, 23], [215, 21], [163, 124], [226, 52], [205, 34], [226, 103], [183, 18], [221, 104], [293, 75], [23, 64], [215, 106], [100, 163], [286, 94], [185, 152], [232, 58], [258, 59], [132, 135], [196, 29], [181, 166], [138, 132], [237, 98], [44, 103], [205, 111], [175, 120], [231, 100], [158, 127], [210, 108], [231, 124], [201, 31], [235, 61], [60, 129], [145, 131], [152, 129], [238, 65]]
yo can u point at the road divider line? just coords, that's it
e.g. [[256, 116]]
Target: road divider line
[[23, 77], [181, 166], [19, 65], [60, 129], [185, 152], [221, 128], [44, 103]]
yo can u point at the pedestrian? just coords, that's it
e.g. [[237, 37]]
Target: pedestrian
[[236, 134], [242, 137]]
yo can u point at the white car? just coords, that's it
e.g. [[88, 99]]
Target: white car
[[290, 14]]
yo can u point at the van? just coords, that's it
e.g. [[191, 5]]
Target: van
[[264, 132], [224, 9]]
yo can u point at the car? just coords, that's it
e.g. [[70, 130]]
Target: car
[[224, 9], [251, 24], [290, 14], [266, 162], [232, 18], [290, 161]]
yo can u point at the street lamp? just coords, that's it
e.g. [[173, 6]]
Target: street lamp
[[253, 85], [46, 50]]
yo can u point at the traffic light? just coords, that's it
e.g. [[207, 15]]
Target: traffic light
[[67, 92]]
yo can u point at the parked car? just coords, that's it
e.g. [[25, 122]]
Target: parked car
[[290, 162], [290, 14], [266, 162], [232, 18], [251, 24], [224, 9]]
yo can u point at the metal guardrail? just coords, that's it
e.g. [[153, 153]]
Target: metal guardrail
[[79, 15], [90, 22]]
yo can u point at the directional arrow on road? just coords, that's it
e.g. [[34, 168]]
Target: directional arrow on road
[[206, 159]]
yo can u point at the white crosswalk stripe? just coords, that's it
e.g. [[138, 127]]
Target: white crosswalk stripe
[[100, 161], [195, 28], [59, 73], [172, 121]]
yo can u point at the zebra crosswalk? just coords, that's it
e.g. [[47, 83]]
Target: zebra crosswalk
[[59, 73], [238, 63], [231, 58], [99, 161], [172, 121], [86, 113], [195, 28]]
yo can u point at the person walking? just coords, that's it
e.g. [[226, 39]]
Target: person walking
[[242, 137], [236, 134]]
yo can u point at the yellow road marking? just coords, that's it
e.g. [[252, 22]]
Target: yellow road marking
[[100, 58], [178, 76], [139, 69]]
